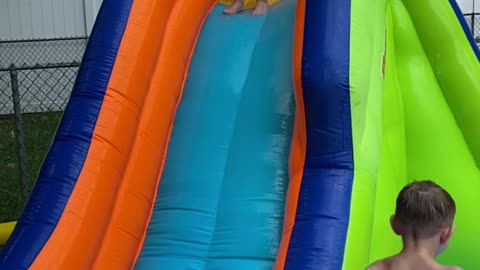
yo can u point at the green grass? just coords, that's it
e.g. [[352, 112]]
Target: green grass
[[39, 130]]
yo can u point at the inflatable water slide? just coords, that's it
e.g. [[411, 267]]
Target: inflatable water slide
[[195, 140]]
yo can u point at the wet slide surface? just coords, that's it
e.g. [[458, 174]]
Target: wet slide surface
[[221, 197]]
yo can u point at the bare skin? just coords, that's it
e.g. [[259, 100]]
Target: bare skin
[[237, 6], [261, 8], [410, 260], [417, 254], [234, 8]]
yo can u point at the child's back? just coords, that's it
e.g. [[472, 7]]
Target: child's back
[[424, 219], [411, 263]]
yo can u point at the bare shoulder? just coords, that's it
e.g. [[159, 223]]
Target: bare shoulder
[[380, 265], [453, 268], [449, 268]]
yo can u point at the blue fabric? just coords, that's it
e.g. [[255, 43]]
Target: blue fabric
[[67, 155], [466, 28], [322, 218], [221, 197]]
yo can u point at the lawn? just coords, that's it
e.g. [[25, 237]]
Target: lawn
[[39, 130]]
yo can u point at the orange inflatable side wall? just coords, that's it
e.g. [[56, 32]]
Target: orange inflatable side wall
[[129, 143]]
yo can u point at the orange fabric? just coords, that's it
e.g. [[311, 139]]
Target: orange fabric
[[118, 158], [298, 149], [128, 227]]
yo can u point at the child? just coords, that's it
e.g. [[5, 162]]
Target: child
[[260, 9], [424, 219]]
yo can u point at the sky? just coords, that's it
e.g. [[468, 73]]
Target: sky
[[466, 5]]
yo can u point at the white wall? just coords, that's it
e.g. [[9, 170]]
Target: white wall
[[33, 19], [27, 19], [468, 5], [91, 10]]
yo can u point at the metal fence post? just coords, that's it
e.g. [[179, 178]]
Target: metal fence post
[[473, 18], [19, 134], [473, 24]]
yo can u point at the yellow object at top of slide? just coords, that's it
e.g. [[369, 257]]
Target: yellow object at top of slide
[[249, 4]]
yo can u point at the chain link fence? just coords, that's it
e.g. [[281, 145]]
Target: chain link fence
[[473, 21], [36, 79]]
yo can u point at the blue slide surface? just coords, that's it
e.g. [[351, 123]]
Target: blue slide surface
[[225, 179]]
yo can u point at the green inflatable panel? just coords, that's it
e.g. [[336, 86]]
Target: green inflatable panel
[[421, 121]]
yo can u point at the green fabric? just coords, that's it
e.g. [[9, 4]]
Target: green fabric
[[367, 45], [419, 124], [453, 61]]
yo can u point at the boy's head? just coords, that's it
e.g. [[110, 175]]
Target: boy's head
[[424, 210]]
